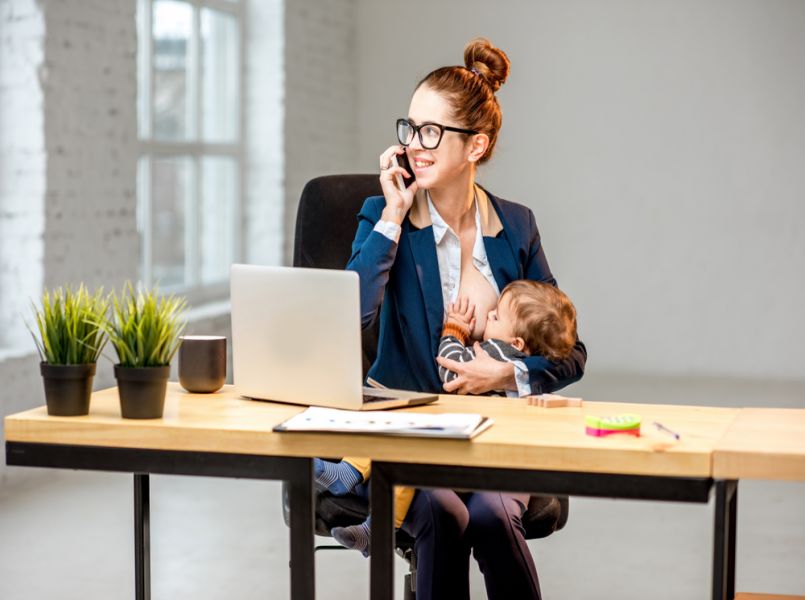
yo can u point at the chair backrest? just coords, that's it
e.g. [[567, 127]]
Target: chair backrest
[[326, 221]]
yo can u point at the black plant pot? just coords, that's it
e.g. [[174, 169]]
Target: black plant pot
[[67, 388], [142, 391]]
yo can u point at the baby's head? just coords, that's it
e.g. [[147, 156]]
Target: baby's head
[[536, 318]]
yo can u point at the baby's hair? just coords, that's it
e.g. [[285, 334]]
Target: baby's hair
[[544, 317]]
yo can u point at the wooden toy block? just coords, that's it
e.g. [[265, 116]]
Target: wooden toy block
[[553, 401]]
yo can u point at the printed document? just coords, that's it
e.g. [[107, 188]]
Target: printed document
[[446, 425]]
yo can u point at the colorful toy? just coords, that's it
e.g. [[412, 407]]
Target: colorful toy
[[602, 426]]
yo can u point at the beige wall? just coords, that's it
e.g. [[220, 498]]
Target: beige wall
[[661, 146]]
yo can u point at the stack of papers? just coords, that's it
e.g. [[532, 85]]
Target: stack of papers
[[445, 425]]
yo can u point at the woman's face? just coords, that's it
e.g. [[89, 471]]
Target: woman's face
[[448, 162]]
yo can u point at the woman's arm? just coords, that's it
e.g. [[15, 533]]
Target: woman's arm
[[481, 375], [372, 256], [545, 376], [375, 245]]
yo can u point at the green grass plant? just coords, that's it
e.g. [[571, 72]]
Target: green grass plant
[[144, 327], [69, 326]]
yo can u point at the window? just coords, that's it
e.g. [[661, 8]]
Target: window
[[189, 182]]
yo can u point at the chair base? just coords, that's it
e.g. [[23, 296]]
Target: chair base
[[409, 591]]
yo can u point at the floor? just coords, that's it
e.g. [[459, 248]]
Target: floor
[[68, 535]]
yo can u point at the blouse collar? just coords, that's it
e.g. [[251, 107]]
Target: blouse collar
[[490, 225]]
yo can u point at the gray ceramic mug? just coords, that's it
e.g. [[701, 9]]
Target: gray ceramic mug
[[202, 363]]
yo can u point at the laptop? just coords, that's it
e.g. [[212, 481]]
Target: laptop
[[296, 337]]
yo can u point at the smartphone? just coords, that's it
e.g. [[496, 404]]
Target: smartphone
[[401, 160]]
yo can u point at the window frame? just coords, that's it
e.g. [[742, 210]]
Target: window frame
[[194, 149]]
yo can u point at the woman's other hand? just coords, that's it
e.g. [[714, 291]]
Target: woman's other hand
[[480, 375], [398, 202]]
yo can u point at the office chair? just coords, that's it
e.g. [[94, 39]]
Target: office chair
[[326, 222]]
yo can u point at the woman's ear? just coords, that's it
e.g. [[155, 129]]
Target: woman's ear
[[518, 343], [479, 142]]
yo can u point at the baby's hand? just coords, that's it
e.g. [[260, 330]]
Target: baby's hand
[[462, 313]]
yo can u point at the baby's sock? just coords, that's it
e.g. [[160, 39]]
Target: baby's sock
[[337, 478], [356, 536]]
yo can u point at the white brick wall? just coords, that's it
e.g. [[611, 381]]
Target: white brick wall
[[320, 96], [301, 113], [68, 155], [89, 84], [264, 134], [68, 146], [22, 165], [22, 191]]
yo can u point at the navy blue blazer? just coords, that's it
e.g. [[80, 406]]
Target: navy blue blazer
[[402, 283]]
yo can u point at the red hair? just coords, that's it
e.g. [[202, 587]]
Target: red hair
[[470, 90]]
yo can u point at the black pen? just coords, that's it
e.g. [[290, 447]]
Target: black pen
[[662, 427]]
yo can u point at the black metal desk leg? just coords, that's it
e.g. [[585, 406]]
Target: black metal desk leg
[[300, 497], [142, 538], [733, 537], [724, 535], [382, 540]]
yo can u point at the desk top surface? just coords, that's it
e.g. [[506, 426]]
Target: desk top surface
[[523, 436], [763, 443]]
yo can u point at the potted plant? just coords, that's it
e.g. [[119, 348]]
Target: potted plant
[[70, 341], [144, 329]]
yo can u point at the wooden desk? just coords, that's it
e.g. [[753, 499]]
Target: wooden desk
[[528, 449], [547, 451], [524, 437], [762, 443], [745, 596], [213, 435]]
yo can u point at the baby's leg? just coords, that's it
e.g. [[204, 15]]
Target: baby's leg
[[340, 478], [403, 496], [354, 536], [357, 536]]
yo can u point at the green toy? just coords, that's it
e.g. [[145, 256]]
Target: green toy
[[602, 426]]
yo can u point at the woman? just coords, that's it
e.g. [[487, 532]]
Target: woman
[[416, 251]]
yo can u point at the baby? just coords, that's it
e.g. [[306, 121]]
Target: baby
[[530, 318]]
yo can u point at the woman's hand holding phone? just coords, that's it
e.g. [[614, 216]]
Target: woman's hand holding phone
[[398, 198]]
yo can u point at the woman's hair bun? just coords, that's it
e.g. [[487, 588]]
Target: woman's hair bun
[[490, 62]]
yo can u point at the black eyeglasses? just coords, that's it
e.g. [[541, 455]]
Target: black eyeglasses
[[430, 134]]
